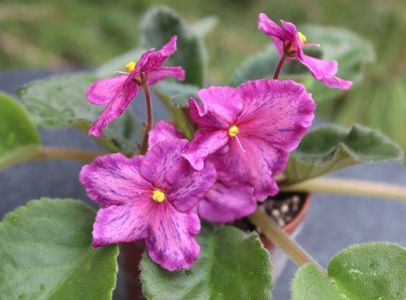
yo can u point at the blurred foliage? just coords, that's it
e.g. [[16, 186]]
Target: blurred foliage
[[54, 34]]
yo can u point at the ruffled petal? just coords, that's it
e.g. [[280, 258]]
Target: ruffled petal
[[255, 163], [115, 108], [226, 203], [159, 57], [291, 33], [269, 27], [203, 144], [325, 71], [161, 73], [162, 161], [104, 90], [140, 66], [122, 224], [161, 132], [221, 107], [276, 111], [190, 186], [171, 240], [114, 180]]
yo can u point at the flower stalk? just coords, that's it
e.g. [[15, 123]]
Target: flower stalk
[[149, 123], [349, 187], [274, 233], [280, 65], [68, 154]]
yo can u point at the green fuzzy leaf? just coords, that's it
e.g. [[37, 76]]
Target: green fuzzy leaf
[[19, 139], [46, 253], [232, 265], [178, 92], [258, 66], [361, 272], [310, 284], [204, 26], [156, 28], [380, 106], [351, 51], [60, 101], [179, 116], [331, 148]]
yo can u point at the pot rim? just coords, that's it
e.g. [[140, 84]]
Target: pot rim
[[293, 225]]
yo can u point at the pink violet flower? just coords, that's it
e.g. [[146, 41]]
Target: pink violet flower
[[117, 92], [151, 198], [290, 43], [247, 132]]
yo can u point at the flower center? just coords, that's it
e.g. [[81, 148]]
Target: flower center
[[233, 131], [158, 195], [130, 66], [302, 37]]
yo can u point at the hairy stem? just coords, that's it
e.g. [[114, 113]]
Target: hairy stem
[[349, 186], [69, 154], [280, 66], [148, 126], [274, 233]]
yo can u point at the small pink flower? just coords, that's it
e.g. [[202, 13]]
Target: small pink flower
[[117, 92], [151, 198], [289, 42], [247, 132]]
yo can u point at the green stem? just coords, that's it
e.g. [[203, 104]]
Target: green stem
[[68, 154], [274, 233], [280, 66], [350, 187]]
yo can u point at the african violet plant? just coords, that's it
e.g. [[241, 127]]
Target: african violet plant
[[180, 185]]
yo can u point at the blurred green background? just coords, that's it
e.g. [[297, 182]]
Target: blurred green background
[[62, 33]]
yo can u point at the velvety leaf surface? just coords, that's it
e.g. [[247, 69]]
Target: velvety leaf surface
[[204, 26], [19, 139], [157, 27], [178, 92], [331, 148], [232, 265], [60, 101], [310, 284], [258, 66], [46, 253], [360, 272], [380, 106], [178, 114], [351, 51]]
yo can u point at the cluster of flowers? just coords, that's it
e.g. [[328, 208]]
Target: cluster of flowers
[[244, 137]]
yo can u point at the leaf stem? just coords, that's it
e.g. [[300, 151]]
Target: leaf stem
[[350, 187], [274, 233], [280, 66], [148, 104], [65, 153]]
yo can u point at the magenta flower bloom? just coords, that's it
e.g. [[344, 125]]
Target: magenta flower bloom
[[117, 92], [247, 132], [289, 42], [151, 198]]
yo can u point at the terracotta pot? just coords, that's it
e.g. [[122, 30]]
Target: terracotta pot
[[293, 228], [131, 254]]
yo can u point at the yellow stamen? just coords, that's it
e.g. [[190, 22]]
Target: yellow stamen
[[130, 66], [233, 131], [158, 195], [302, 37]]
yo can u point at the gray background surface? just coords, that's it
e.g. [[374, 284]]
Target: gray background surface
[[334, 222]]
